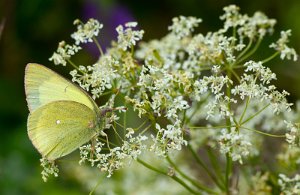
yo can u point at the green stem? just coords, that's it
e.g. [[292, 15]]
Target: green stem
[[146, 129], [96, 186], [157, 56], [140, 126], [213, 127], [184, 118], [124, 121], [228, 173], [98, 46], [257, 113], [194, 182], [236, 75], [174, 177], [245, 50], [105, 93], [196, 109], [210, 174], [117, 135], [104, 140], [132, 51], [228, 123], [271, 57], [244, 112], [214, 163], [233, 35], [74, 66], [251, 52], [261, 132]]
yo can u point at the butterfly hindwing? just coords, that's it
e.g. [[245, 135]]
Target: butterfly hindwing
[[58, 128]]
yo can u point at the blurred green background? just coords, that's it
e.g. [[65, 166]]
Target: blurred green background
[[30, 31]]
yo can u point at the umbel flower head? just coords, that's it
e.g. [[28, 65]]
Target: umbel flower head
[[189, 92]]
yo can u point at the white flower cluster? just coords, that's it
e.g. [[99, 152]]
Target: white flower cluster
[[247, 27], [289, 156], [184, 82], [267, 121], [85, 32], [261, 184], [250, 87], [167, 53], [256, 26], [164, 102], [235, 144], [232, 17], [63, 53], [167, 140], [289, 186], [49, 168], [214, 85], [98, 77], [281, 46], [128, 37], [183, 26], [109, 162], [162, 84], [293, 136], [134, 145], [210, 49], [264, 74]]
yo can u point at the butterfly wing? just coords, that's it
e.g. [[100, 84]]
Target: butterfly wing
[[43, 86], [58, 128]]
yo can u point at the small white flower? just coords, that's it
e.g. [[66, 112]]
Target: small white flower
[[168, 139], [232, 17], [128, 37], [85, 32], [264, 73], [289, 186], [281, 45], [290, 155], [63, 53], [234, 144], [183, 26], [293, 137], [49, 168], [178, 104], [57, 59]]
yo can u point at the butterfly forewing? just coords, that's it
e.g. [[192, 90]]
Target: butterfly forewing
[[58, 128], [43, 86]]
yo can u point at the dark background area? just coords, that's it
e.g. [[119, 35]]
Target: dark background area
[[32, 30]]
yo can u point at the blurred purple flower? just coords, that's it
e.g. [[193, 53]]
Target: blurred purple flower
[[110, 17]]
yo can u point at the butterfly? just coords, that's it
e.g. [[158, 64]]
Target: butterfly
[[62, 115]]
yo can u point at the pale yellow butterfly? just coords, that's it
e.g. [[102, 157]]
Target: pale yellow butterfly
[[62, 115]]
